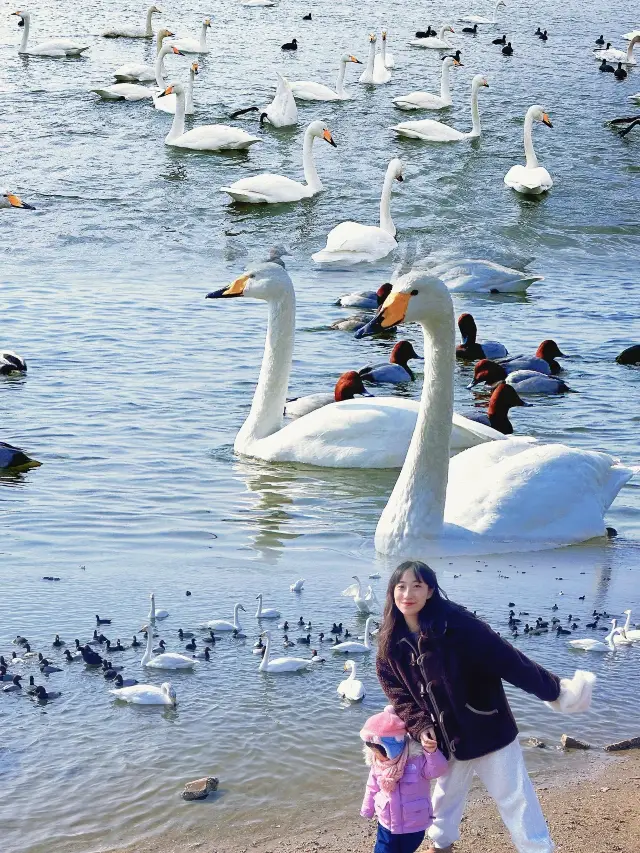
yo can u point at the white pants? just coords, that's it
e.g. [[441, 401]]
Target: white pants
[[505, 777]]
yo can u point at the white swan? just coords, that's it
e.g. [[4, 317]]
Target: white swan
[[389, 60], [381, 70], [147, 694], [366, 603], [223, 625], [166, 660], [425, 100], [189, 45], [350, 242], [351, 688], [206, 137], [365, 433], [475, 275], [134, 32], [169, 102], [305, 90], [280, 664], [139, 72], [352, 647], [53, 47], [156, 614], [478, 19], [614, 55], [631, 35], [125, 92], [531, 179], [591, 645], [511, 495], [9, 199], [438, 42], [629, 633], [268, 188], [435, 131], [367, 75], [298, 585], [265, 612]]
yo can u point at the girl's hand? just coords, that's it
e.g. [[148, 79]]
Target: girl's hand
[[428, 740]]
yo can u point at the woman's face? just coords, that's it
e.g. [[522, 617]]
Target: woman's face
[[411, 594]]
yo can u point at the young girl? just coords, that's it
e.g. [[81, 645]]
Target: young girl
[[398, 789]]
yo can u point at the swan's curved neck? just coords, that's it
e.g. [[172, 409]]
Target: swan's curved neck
[[352, 674], [372, 57], [441, 34], [475, 112], [148, 29], [310, 172], [148, 655], [340, 81], [383, 51], [495, 12], [532, 160], [189, 98], [445, 92], [265, 417], [259, 611], [264, 663], [177, 128], [159, 39], [203, 37], [609, 638], [386, 222], [417, 502], [236, 610], [627, 623], [25, 35], [160, 72], [152, 610], [635, 40]]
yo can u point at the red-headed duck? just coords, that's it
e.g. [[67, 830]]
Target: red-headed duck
[[369, 299], [503, 398], [470, 349], [396, 370], [524, 381], [347, 387], [544, 361]]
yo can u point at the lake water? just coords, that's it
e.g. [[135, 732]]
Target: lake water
[[137, 386]]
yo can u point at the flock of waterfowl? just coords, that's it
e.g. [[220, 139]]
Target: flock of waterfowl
[[500, 493]]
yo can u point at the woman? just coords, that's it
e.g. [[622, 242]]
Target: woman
[[442, 670]]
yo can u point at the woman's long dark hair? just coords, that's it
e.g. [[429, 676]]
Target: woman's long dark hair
[[393, 622]]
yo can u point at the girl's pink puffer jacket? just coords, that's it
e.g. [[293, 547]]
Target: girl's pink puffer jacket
[[408, 807]]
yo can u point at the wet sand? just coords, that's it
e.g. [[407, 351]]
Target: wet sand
[[595, 812]]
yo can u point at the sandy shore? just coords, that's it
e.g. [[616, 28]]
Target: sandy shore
[[596, 813]]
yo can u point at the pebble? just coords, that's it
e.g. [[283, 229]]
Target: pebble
[[569, 742], [199, 789]]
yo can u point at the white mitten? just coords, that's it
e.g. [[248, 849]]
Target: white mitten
[[575, 693]]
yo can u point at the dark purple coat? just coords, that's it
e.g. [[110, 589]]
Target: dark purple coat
[[451, 678]]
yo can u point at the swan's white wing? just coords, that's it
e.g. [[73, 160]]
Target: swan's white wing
[[215, 137], [431, 42], [350, 591], [187, 45], [282, 111], [381, 73], [268, 188], [354, 237], [477, 275], [132, 71], [54, 47], [420, 101], [142, 694], [522, 179], [124, 92], [519, 490], [305, 90], [429, 130]]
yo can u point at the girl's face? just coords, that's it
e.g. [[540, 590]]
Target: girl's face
[[411, 594]]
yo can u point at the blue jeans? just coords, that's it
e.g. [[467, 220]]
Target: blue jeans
[[387, 842]]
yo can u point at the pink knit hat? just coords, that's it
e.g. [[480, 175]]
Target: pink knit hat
[[386, 724]]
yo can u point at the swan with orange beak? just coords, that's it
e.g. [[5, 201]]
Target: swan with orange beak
[[531, 179]]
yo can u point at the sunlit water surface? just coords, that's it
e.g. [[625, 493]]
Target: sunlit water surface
[[136, 388]]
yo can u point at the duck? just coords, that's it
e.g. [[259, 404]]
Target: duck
[[315, 657], [351, 243], [147, 694], [11, 362], [223, 625], [502, 40], [336, 628], [307, 17], [471, 30], [281, 112], [481, 500], [27, 653], [366, 603], [306, 90], [424, 34], [72, 656], [503, 398], [532, 178], [192, 45], [348, 386], [191, 646], [120, 682], [269, 188], [544, 360], [368, 299], [100, 621], [477, 275], [15, 685], [135, 642], [168, 103], [427, 101], [31, 689], [538, 31], [185, 635], [437, 42], [381, 64], [284, 626], [470, 349], [543, 36], [351, 688], [286, 642], [265, 612], [297, 586], [140, 72], [205, 137], [620, 73], [612, 54], [109, 672], [52, 47], [165, 660], [352, 647], [560, 631], [429, 130], [480, 19], [301, 622], [604, 66], [290, 45], [203, 655], [349, 434], [600, 41], [366, 78], [47, 668], [57, 642], [507, 50], [258, 648], [524, 381], [279, 665], [159, 649], [306, 641], [14, 459], [134, 32], [590, 645], [117, 648], [396, 370], [90, 657]]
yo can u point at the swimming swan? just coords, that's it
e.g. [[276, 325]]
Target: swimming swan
[[139, 72], [532, 179], [125, 92], [188, 45], [363, 433], [353, 243], [591, 645], [632, 634], [280, 664], [351, 647], [367, 75], [366, 603], [510, 495], [614, 55], [478, 19], [268, 188], [135, 32], [206, 137], [168, 103], [265, 612], [429, 130], [282, 111], [381, 66], [53, 47], [166, 660], [351, 688], [438, 42], [427, 101], [305, 90], [475, 275], [153, 613], [147, 694], [223, 625]]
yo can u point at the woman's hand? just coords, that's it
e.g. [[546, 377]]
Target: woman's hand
[[428, 740]]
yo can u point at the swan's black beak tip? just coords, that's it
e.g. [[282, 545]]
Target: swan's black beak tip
[[371, 328]]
